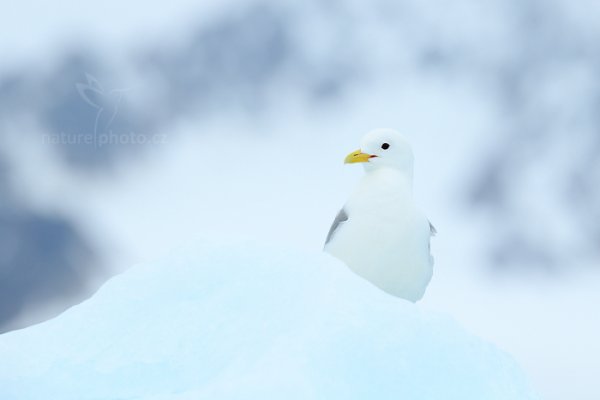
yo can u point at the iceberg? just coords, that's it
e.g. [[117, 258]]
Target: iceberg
[[248, 321]]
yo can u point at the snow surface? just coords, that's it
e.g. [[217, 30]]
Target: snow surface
[[249, 322]]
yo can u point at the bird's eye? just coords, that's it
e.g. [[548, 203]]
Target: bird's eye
[[385, 146]]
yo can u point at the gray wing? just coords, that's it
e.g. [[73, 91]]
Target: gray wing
[[339, 218], [432, 229], [432, 232]]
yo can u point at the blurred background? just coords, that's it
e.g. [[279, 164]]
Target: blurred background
[[127, 129]]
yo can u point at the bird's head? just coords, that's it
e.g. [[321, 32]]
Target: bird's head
[[383, 148]]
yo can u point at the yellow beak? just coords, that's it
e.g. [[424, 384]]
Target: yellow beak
[[356, 157]]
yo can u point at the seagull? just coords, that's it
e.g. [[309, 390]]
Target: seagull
[[380, 233]]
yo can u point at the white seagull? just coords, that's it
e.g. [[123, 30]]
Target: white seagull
[[380, 233]]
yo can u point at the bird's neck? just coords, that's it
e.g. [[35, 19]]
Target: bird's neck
[[383, 186], [393, 179]]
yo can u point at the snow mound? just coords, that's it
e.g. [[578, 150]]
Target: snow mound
[[246, 322]]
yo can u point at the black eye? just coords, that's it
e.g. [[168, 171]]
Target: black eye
[[385, 146]]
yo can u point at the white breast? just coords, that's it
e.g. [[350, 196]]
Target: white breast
[[386, 238]]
